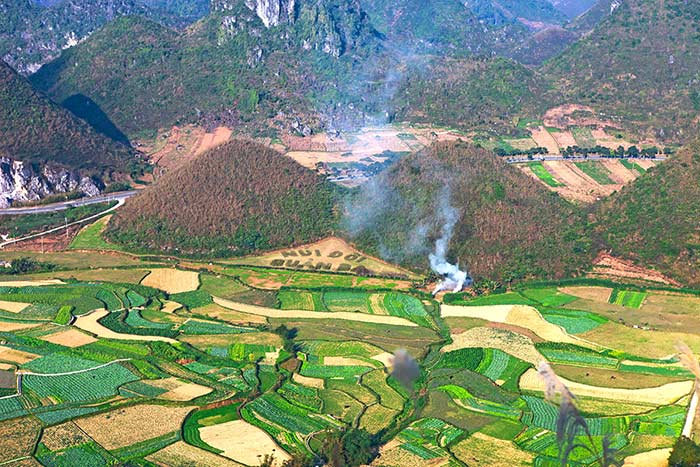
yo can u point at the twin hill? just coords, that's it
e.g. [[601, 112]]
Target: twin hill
[[656, 219], [34, 129], [237, 198], [506, 226]]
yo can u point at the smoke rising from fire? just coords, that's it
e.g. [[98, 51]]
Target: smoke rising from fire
[[405, 368], [454, 279]]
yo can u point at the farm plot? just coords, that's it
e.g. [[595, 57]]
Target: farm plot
[[287, 314], [482, 449], [89, 385], [541, 172], [408, 307], [574, 322], [115, 429], [349, 301], [425, 439], [242, 442], [178, 390], [90, 324], [281, 413], [19, 357], [596, 171], [172, 281], [182, 454], [299, 300], [627, 298], [69, 338], [662, 395], [509, 342], [18, 438]]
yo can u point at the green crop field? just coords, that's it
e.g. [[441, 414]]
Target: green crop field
[[584, 137], [303, 380], [633, 166], [543, 174], [627, 298], [596, 171], [90, 238]]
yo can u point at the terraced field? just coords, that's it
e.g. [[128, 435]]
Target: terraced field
[[311, 362]]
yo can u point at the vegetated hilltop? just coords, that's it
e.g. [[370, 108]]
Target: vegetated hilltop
[[573, 8], [237, 64], [507, 225], [655, 221], [36, 130], [466, 93], [235, 199], [34, 32], [640, 65]]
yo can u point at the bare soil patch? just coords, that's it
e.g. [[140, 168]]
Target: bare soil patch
[[116, 429], [564, 138], [577, 187], [608, 265], [69, 338], [568, 115], [618, 172], [234, 317], [171, 307], [172, 280], [211, 140], [36, 283], [242, 442], [544, 139], [646, 164]]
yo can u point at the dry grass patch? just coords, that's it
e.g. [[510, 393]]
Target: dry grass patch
[[308, 381], [651, 344], [656, 458], [7, 326], [482, 337], [181, 454], [131, 425], [287, 314], [172, 280], [481, 449], [178, 390], [393, 456], [519, 315], [222, 340], [90, 324], [662, 395], [234, 317], [13, 307], [332, 250], [18, 437], [16, 356], [69, 338], [36, 283], [597, 294], [63, 436], [242, 442], [170, 307], [385, 358]]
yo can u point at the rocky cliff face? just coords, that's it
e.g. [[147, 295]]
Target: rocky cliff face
[[312, 24], [20, 182]]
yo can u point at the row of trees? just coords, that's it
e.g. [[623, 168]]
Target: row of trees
[[620, 152]]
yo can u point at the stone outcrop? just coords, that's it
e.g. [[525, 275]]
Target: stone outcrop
[[20, 182]]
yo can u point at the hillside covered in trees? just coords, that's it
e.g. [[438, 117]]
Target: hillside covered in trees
[[639, 66], [34, 129], [506, 225], [655, 221], [235, 199]]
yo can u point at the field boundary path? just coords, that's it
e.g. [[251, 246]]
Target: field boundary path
[[690, 419], [11, 241]]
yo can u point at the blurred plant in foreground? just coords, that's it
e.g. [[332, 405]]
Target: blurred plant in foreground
[[571, 426]]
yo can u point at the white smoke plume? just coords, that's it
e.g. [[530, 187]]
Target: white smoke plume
[[454, 279]]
